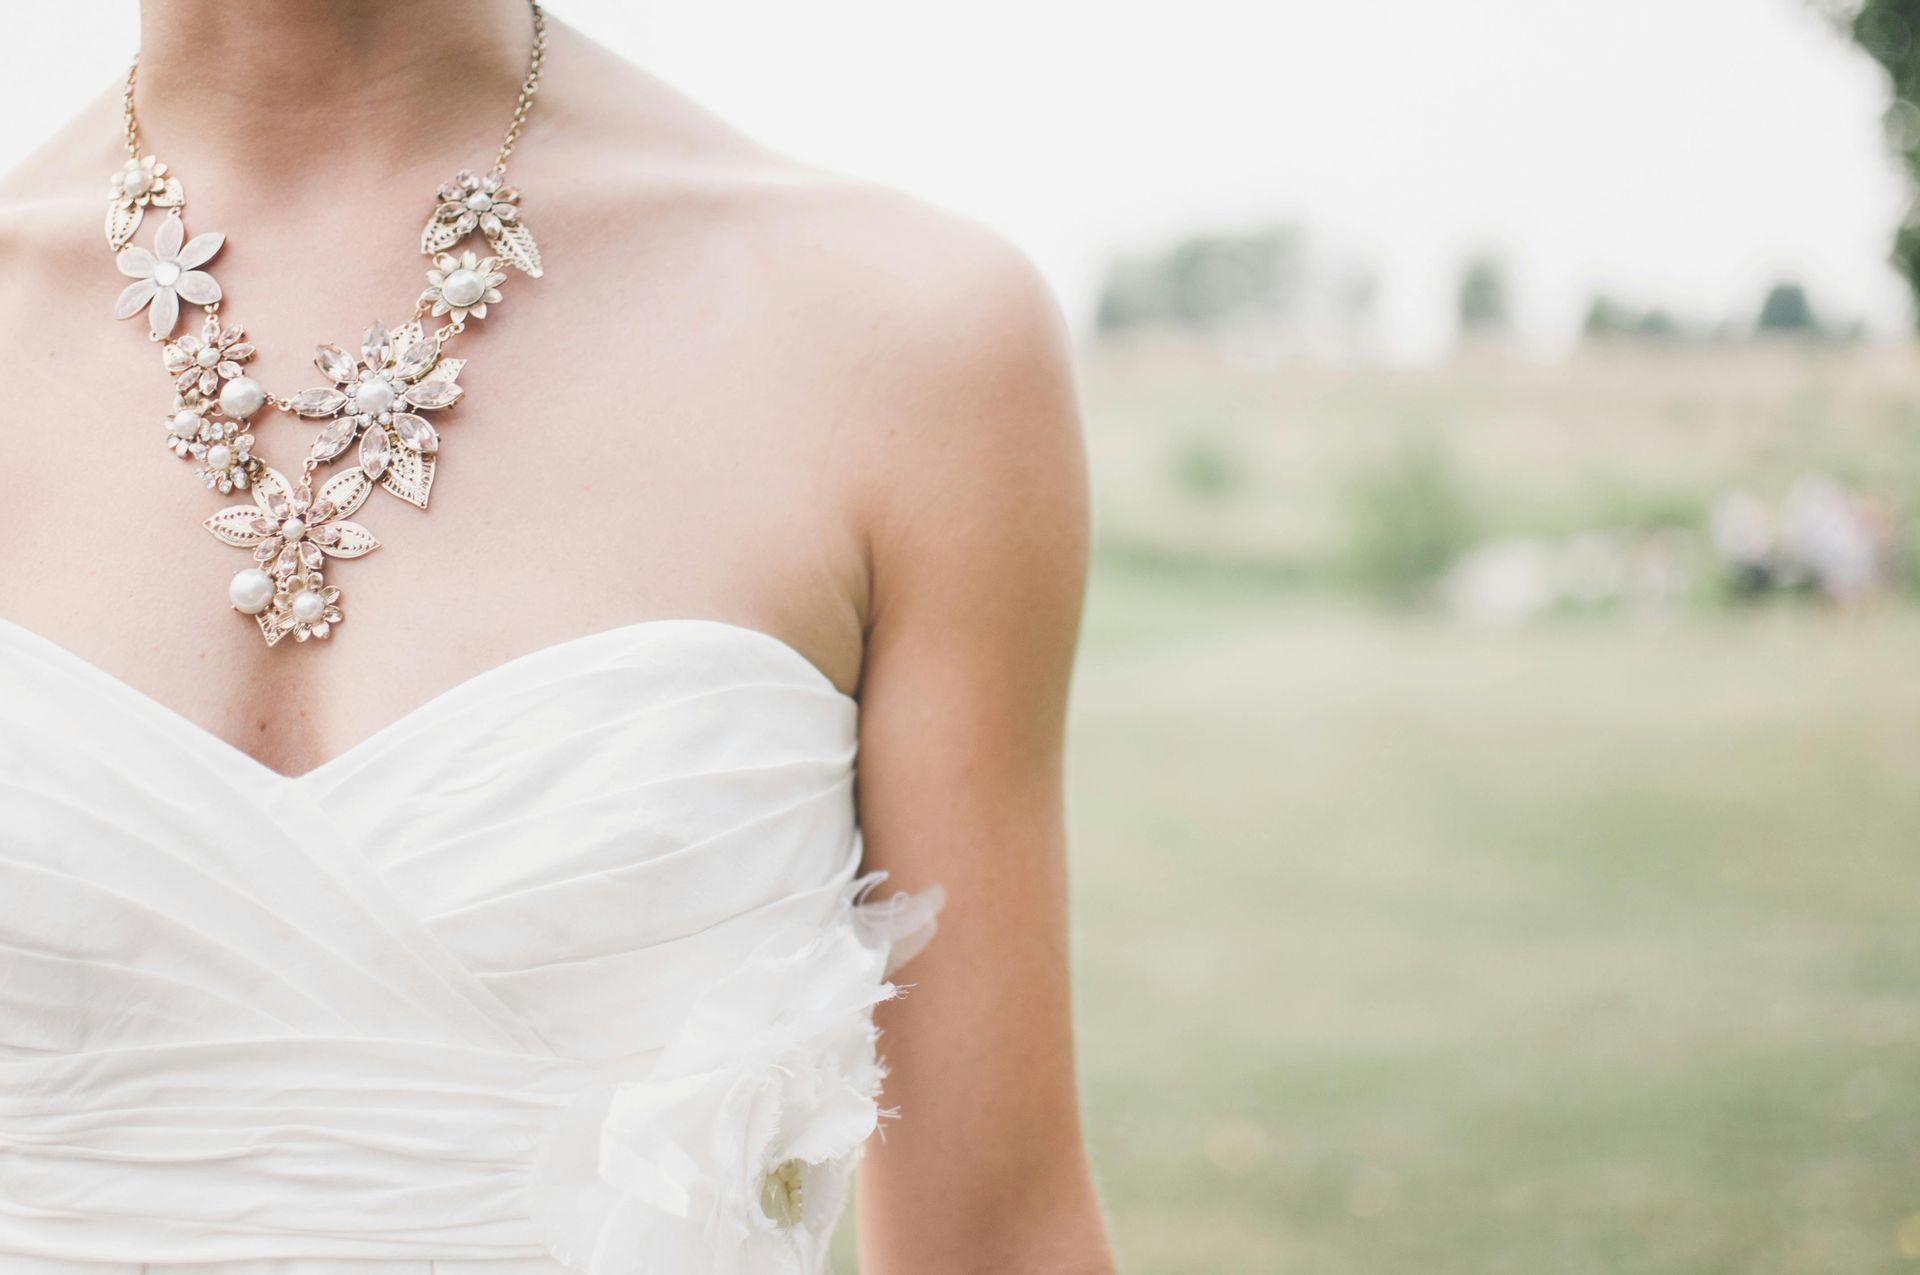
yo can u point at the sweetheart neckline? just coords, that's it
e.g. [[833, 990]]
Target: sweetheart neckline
[[435, 702]]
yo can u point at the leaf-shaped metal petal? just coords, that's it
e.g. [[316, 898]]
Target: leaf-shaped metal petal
[[268, 629], [409, 475], [417, 360], [354, 540], [236, 525], [375, 453], [322, 400], [433, 393], [121, 223], [376, 347], [335, 363], [415, 432], [169, 194], [336, 438], [348, 490], [446, 370], [440, 235], [514, 244], [273, 493]]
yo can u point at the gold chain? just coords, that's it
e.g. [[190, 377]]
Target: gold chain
[[528, 88]]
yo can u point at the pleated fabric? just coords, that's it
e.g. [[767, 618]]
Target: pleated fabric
[[428, 1009]]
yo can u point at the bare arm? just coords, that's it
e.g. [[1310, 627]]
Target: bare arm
[[979, 544]]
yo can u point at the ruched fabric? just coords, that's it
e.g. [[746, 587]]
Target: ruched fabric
[[568, 969]]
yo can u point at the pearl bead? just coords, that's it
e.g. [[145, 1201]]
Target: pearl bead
[[185, 424], [208, 357], [219, 457], [242, 397], [463, 288], [139, 180], [250, 591], [480, 201], [373, 397], [308, 606], [292, 529], [166, 273]]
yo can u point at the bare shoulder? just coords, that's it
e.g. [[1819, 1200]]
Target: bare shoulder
[[930, 354]]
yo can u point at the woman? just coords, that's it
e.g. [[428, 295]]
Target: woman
[[493, 903]]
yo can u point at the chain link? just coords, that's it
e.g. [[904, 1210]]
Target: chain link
[[528, 88], [126, 110]]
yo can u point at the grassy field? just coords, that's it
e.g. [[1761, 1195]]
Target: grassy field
[[1582, 946]]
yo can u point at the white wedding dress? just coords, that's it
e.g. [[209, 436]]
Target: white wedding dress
[[569, 970]]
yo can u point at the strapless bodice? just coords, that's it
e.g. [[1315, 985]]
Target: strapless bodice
[[570, 969]]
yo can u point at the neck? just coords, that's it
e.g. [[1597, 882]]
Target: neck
[[285, 86]]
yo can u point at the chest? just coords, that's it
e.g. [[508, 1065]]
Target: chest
[[624, 448]]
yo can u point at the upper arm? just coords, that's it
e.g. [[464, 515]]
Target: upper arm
[[978, 540]]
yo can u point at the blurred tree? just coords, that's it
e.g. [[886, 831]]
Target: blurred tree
[[1483, 298], [1787, 310], [1885, 29], [1606, 318], [1207, 282]]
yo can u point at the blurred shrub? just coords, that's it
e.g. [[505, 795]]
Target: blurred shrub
[[1408, 519], [1208, 465], [1484, 306], [1787, 311]]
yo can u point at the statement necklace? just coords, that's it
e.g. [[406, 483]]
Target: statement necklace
[[294, 530]]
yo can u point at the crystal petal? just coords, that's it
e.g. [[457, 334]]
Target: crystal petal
[[335, 363], [418, 360], [415, 432], [336, 438], [376, 347], [434, 392], [322, 400], [376, 452]]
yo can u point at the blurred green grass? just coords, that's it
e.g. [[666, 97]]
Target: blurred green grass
[[1581, 948]]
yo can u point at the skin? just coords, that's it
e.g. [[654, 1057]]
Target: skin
[[746, 390]]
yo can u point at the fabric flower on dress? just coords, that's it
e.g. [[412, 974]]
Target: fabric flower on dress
[[733, 1156], [202, 362], [376, 400], [167, 274], [141, 183], [463, 286], [487, 204]]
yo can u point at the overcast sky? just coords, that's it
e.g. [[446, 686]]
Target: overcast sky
[[1680, 152]]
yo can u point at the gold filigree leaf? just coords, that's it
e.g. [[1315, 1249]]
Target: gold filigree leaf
[[408, 335], [353, 539], [409, 475], [272, 486], [440, 236], [513, 243], [234, 525], [446, 370], [267, 628], [348, 490], [121, 223]]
